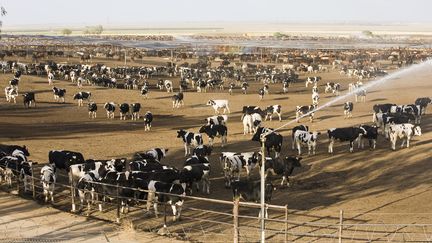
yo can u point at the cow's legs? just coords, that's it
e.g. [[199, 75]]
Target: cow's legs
[[351, 146]]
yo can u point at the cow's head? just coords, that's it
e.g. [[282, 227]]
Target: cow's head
[[181, 133], [203, 129], [25, 150], [211, 102], [257, 135]]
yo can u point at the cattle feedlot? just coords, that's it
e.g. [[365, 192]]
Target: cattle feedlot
[[161, 137]]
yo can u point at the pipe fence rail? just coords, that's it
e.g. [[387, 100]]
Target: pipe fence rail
[[206, 219]]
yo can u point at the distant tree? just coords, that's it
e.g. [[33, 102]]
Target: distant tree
[[66, 31], [367, 33], [278, 35], [2, 13], [93, 30]]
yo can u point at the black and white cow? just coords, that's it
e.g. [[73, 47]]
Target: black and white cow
[[348, 108], [135, 109], [312, 80], [178, 100], [315, 98], [345, 134], [190, 139], [251, 123], [381, 108], [29, 99], [14, 84], [124, 111], [261, 93], [282, 168], [305, 109], [402, 131], [156, 154], [360, 95], [92, 109], [10, 149], [110, 190], [81, 96], [176, 202], [423, 103], [371, 135], [217, 120], [194, 174], [244, 87], [294, 130], [250, 109], [332, 87], [110, 108], [148, 119], [59, 94], [145, 91], [202, 151], [273, 140], [167, 84], [213, 131], [415, 110], [286, 85], [273, 109], [195, 159], [219, 104], [384, 120], [48, 180], [234, 162], [231, 88], [11, 94], [17, 165], [307, 138], [63, 159]]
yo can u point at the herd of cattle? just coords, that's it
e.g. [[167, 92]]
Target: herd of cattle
[[144, 176]]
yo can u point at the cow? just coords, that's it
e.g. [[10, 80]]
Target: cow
[[284, 167], [261, 93], [213, 131], [423, 103], [308, 138], [217, 120], [202, 151], [11, 94], [381, 108], [189, 139], [17, 165], [244, 86], [294, 130], [178, 100], [312, 80], [234, 162], [302, 111], [167, 84], [29, 99], [59, 94], [109, 189], [315, 98], [48, 180], [360, 95], [371, 136], [402, 131], [148, 119], [231, 88], [14, 84], [144, 91], [81, 96], [135, 109], [92, 109], [285, 86], [10, 149], [156, 154], [63, 159], [110, 107], [344, 134], [384, 120], [415, 110], [155, 195], [218, 104], [348, 108], [249, 110], [251, 191], [272, 140], [273, 109], [332, 87], [195, 159], [194, 174], [124, 111]]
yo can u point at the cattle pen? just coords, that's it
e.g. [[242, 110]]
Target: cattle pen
[[205, 219]]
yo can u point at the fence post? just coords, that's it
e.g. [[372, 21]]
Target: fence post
[[286, 223], [340, 225], [33, 182], [72, 189], [236, 219], [118, 204]]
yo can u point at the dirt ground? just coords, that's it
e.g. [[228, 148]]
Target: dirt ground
[[392, 183]]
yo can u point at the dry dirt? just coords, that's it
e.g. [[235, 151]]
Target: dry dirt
[[365, 184]]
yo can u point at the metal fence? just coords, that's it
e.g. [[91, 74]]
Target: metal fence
[[205, 219]]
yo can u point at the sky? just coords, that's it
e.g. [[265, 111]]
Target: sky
[[27, 13]]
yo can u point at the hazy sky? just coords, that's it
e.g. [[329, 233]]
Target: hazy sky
[[108, 12]]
